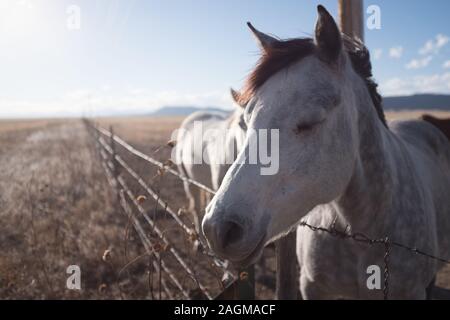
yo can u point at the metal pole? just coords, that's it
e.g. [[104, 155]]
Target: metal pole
[[351, 17]]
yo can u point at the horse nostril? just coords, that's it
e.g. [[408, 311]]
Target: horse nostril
[[231, 233]]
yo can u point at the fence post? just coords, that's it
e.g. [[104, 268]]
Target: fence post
[[113, 154], [115, 167], [245, 289], [286, 267], [94, 131], [351, 16]]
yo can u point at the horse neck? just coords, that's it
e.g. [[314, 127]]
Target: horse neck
[[366, 202]]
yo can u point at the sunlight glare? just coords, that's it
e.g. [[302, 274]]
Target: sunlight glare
[[20, 18]]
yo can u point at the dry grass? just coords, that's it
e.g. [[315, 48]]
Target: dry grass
[[402, 115], [21, 124], [144, 130], [56, 210]]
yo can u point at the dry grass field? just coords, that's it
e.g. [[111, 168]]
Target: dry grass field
[[57, 209]]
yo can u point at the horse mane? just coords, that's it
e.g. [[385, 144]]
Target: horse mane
[[284, 53], [360, 58]]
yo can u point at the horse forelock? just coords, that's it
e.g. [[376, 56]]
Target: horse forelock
[[281, 55], [287, 52]]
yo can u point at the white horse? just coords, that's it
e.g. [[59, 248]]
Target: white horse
[[339, 162], [217, 145]]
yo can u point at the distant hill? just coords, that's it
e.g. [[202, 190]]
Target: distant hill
[[181, 111], [418, 101]]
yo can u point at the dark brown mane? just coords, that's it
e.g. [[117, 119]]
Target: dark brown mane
[[286, 52], [360, 57], [281, 55]]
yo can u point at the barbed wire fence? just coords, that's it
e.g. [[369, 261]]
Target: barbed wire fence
[[238, 286], [159, 243], [387, 243]]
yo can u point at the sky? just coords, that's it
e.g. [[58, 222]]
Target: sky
[[99, 57]]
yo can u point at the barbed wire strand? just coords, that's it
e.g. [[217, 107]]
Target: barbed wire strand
[[144, 239], [153, 161], [149, 249], [191, 233], [161, 235]]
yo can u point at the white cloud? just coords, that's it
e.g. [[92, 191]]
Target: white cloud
[[396, 52], [446, 64], [435, 83], [433, 46], [428, 51], [377, 53], [441, 40], [427, 48], [106, 102], [419, 63]]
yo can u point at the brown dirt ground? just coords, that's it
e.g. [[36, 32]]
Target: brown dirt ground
[[57, 210]]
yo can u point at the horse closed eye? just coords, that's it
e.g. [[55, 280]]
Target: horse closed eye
[[301, 127]]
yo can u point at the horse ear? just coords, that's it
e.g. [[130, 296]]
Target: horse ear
[[327, 36], [265, 41], [237, 98]]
